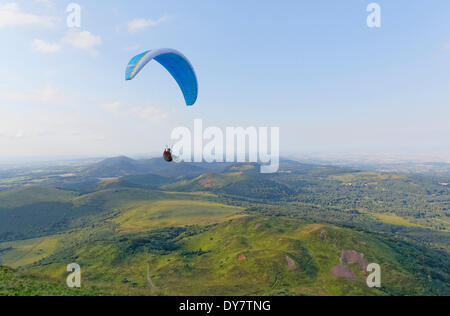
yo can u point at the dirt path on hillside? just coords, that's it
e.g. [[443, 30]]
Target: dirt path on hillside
[[153, 288]]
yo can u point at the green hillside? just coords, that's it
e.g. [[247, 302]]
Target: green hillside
[[145, 216], [247, 256], [236, 183], [14, 283], [142, 228], [34, 194]]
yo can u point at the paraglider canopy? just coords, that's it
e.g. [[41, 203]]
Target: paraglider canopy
[[176, 64]]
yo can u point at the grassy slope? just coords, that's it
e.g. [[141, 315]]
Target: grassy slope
[[14, 283], [247, 256], [145, 216], [35, 194], [36, 212], [265, 243], [25, 252]]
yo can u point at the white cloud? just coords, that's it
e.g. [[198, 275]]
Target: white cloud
[[45, 47], [47, 132], [137, 25], [147, 113], [51, 95], [150, 113], [46, 3], [113, 107], [12, 16], [82, 39], [78, 39], [47, 95], [43, 124], [20, 134]]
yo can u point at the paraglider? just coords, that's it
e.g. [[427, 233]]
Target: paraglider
[[168, 155], [175, 63], [178, 66]]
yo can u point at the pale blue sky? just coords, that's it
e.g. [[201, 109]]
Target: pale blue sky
[[313, 68]]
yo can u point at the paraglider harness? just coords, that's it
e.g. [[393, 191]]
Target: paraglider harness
[[168, 155]]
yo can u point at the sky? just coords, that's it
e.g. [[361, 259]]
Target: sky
[[312, 68]]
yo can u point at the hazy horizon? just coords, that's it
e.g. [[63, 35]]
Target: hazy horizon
[[326, 157]]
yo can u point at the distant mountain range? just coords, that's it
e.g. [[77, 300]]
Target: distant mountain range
[[427, 168]]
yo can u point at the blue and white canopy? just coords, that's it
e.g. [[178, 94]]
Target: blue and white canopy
[[176, 64]]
